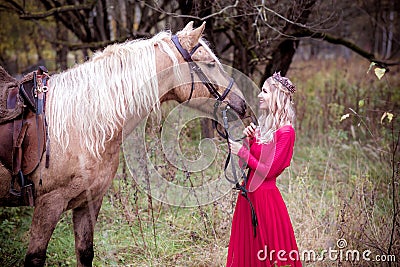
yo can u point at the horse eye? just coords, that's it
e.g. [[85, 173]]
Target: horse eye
[[211, 64]]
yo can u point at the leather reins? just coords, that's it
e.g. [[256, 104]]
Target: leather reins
[[243, 176]]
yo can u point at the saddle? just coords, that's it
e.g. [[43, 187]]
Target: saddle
[[23, 129]]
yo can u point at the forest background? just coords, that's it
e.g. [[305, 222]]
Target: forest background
[[343, 183]]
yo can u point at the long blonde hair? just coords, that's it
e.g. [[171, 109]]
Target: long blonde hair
[[96, 97], [280, 109]]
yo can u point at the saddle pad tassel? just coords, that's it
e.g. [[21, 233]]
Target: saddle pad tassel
[[47, 154], [47, 164]]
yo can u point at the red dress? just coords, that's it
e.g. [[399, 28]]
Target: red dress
[[274, 242]]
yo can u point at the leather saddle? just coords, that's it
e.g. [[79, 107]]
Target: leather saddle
[[23, 130]]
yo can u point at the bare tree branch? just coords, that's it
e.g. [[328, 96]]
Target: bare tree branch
[[340, 41], [14, 5], [160, 10], [280, 16], [56, 10]]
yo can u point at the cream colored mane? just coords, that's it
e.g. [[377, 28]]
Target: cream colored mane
[[95, 98]]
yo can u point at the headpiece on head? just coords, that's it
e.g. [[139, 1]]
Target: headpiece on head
[[285, 82]]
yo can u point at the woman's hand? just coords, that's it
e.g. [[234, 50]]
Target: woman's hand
[[234, 146], [250, 130]]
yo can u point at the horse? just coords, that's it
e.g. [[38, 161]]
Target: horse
[[87, 108]]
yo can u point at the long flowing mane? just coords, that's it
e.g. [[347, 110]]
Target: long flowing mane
[[94, 98]]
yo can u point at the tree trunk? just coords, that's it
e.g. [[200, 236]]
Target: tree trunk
[[207, 130], [283, 54], [186, 7], [390, 35], [61, 50], [282, 59]]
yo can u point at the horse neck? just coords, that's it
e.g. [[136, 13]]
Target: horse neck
[[94, 105]]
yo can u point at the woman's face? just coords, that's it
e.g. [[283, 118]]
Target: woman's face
[[264, 96]]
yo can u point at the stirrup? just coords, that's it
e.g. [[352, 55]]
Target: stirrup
[[21, 182], [15, 192], [26, 192]]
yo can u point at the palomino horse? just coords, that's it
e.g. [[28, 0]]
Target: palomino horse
[[87, 109]]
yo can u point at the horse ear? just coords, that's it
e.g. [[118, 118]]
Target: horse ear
[[196, 33], [188, 27]]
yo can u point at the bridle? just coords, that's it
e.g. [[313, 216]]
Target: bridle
[[194, 68]]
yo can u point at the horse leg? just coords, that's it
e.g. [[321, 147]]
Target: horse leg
[[47, 213], [84, 218]]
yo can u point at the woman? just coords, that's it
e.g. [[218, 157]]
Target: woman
[[267, 151]]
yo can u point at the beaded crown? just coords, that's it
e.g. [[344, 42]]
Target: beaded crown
[[284, 81]]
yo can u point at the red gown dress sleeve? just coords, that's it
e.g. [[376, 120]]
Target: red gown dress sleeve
[[274, 232], [247, 143], [270, 159]]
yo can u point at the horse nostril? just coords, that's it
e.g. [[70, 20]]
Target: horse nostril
[[241, 110], [244, 109]]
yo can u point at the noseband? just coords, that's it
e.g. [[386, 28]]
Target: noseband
[[194, 68]]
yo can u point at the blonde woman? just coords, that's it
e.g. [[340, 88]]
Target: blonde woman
[[267, 151]]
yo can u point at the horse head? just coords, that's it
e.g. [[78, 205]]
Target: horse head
[[207, 77]]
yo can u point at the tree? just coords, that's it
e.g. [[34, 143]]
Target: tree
[[255, 37]]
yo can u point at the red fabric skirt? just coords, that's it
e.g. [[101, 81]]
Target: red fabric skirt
[[274, 243]]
